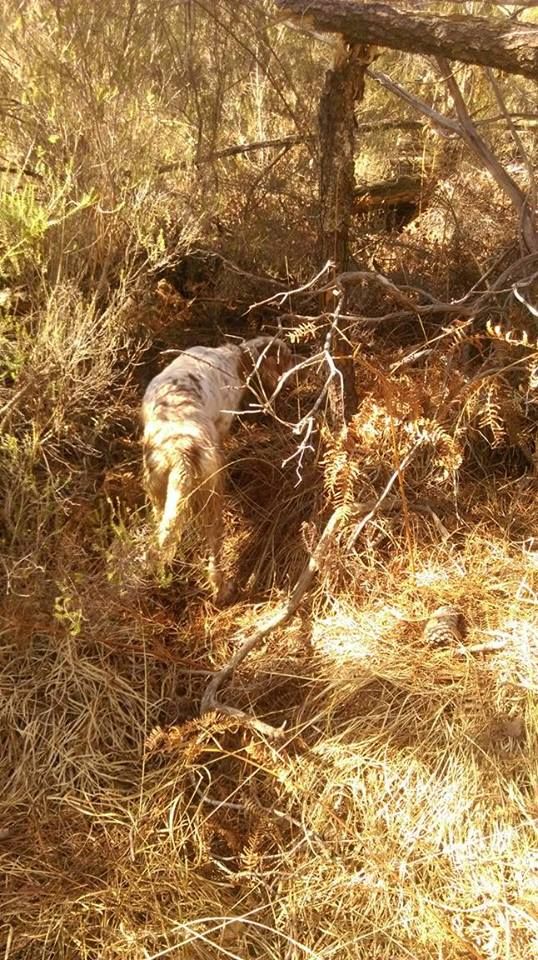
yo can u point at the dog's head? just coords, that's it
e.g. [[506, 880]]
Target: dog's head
[[265, 359]]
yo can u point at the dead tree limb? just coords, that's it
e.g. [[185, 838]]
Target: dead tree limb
[[281, 617], [416, 103], [478, 146], [497, 42], [286, 612], [465, 128], [525, 120]]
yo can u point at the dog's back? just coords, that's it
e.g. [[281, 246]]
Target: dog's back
[[186, 410]]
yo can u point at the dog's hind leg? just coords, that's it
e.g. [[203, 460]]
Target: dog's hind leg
[[173, 515], [222, 589]]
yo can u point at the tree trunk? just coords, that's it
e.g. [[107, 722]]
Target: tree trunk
[[344, 85], [495, 42]]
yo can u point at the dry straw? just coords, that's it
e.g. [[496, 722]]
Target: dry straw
[[394, 819]]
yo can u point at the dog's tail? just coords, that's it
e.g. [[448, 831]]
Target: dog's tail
[[179, 488], [191, 465]]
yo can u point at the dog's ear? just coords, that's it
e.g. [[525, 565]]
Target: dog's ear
[[268, 357], [276, 361], [247, 362]]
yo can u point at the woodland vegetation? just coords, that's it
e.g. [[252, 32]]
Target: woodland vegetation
[[342, 762]]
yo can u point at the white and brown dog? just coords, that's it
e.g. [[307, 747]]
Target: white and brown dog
[[186, 411]]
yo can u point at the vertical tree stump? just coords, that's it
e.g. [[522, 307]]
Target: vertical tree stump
[[344, 86]]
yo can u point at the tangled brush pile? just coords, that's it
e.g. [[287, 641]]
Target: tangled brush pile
[[394, 817]]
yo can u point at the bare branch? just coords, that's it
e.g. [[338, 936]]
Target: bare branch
[[439, 120], [480, 148], [280, 298], [281, 617], [498, 42]]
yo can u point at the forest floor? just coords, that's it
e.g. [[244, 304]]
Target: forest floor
[[396, 817]]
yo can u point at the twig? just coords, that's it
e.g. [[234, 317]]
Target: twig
[[357, 530], [306, 424], [481, 647], [280, 298], [497, 285]]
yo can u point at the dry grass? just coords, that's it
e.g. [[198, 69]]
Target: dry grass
[[397, 818]]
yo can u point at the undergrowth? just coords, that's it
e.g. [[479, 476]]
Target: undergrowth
[[396, 818]]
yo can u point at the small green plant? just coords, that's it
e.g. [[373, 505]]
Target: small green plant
[[25, 219], [66, 611]]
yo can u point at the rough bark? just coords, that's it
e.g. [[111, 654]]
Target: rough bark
[[344, 86], [494, 42]]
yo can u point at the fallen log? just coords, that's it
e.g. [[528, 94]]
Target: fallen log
[[497, 41]]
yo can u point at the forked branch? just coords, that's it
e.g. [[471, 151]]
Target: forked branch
[[278, 619], [479, 147], [287, 611]]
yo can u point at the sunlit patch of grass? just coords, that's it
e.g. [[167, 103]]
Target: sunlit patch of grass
[[396, 818]]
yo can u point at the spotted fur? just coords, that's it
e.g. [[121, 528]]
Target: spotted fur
[[187, 410]]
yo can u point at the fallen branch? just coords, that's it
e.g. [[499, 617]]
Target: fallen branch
[[498, 42], [281, 617], [280, 298], [397, 294], [210, 702]]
